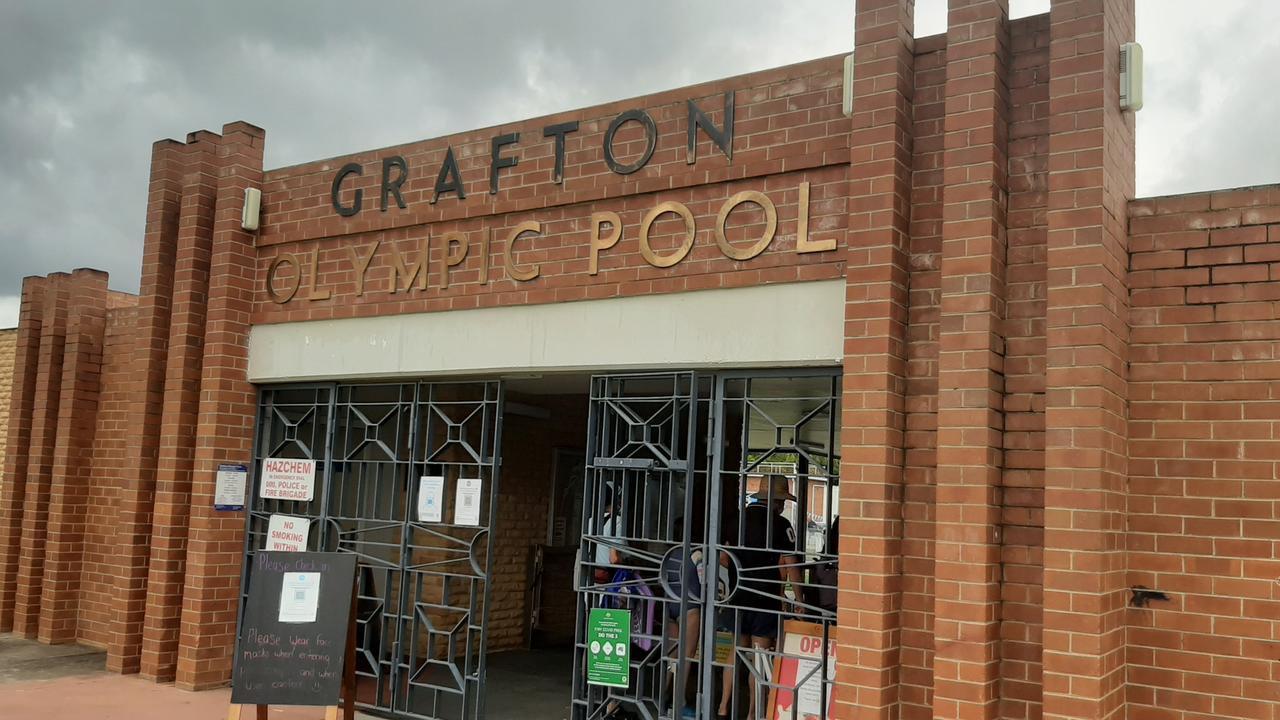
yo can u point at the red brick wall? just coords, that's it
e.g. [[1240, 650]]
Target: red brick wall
[[919, 476], [73, 455], [1203, 524], [101, 562], [1022, 519], [1023, 327], [788, 130], [20, 426]]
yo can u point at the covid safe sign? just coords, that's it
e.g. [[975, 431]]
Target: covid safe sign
[[608, 647]]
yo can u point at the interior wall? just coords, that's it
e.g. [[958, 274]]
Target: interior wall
[[528, 458]]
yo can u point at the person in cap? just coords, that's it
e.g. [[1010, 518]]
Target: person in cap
[[769, 561]]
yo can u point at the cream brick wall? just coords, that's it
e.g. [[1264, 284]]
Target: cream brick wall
[[8, 344]]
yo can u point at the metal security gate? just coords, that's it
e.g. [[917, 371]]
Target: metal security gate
[[423, 585], [646, 464], [710, 517]]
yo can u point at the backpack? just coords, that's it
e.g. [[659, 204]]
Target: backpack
[[629, 592], [826, 576]]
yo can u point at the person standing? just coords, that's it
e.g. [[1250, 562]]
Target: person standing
[[769, 561], [605, 554]]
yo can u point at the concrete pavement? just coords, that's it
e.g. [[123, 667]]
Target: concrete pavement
[[69, 682]]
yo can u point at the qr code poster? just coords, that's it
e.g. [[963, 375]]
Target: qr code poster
[[466, 502]]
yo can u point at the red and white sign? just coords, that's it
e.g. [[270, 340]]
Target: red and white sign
[[285, 479], [287, 533], [799, 667]]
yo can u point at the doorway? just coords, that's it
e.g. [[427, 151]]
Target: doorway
[[478, 606]]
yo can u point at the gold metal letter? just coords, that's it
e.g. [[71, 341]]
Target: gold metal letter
[[770, 224], [316, 293], [485, 242], [598, 243], [647, 253], [514, 271], [409, 273], [361, 264], [803, 245], [274, 268], [449, 259]]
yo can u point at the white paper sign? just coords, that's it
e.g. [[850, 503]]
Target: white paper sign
[[228, 493], [287, 533], [466, 503], [299, 597], [285, 479], [430, 498]]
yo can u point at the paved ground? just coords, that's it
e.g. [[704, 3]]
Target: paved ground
[[40, 682]]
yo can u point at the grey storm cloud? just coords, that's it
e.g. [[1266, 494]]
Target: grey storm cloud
[[86, 87]]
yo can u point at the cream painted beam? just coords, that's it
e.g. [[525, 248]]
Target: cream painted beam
[[789, 325]]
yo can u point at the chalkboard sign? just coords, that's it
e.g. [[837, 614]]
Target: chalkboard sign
[[293, 635]]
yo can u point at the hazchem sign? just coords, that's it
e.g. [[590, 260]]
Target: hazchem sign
[[286, 479]]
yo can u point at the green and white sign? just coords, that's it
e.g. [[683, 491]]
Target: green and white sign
[[608, 647]]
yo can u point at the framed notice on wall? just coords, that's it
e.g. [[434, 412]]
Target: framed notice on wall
[[229, 487], [799, 666]]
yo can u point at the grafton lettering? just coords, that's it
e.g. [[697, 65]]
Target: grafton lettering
[[445, 178]]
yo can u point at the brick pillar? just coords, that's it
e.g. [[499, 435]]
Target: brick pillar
[[225, 429], [21, 402], [151, 336], [875, 362], [971, 362], [181, 405], [73, 455], [1091, 179], [44, 424]]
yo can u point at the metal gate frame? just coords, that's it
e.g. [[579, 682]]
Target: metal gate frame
[[639, 453], [692, 392], [426, 422], [802, 608]]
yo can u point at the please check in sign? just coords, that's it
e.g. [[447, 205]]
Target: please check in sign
[[608, 647]]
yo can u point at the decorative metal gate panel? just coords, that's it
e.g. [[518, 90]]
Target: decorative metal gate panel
[[423, 585], [646, 466], [777, 444], [716, 494]]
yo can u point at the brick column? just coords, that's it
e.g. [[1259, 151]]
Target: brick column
[[971, 362], [181, 405], [133, 535], [73, 455], [1091, 178], [225, 429], [21, 406], [44, 423], [875, 362]]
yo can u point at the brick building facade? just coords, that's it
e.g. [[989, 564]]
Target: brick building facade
[[1053, 393]]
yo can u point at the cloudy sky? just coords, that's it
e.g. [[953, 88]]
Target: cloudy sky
[[87, 86]]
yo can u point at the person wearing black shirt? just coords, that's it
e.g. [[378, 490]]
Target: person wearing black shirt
[[769, 560]]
